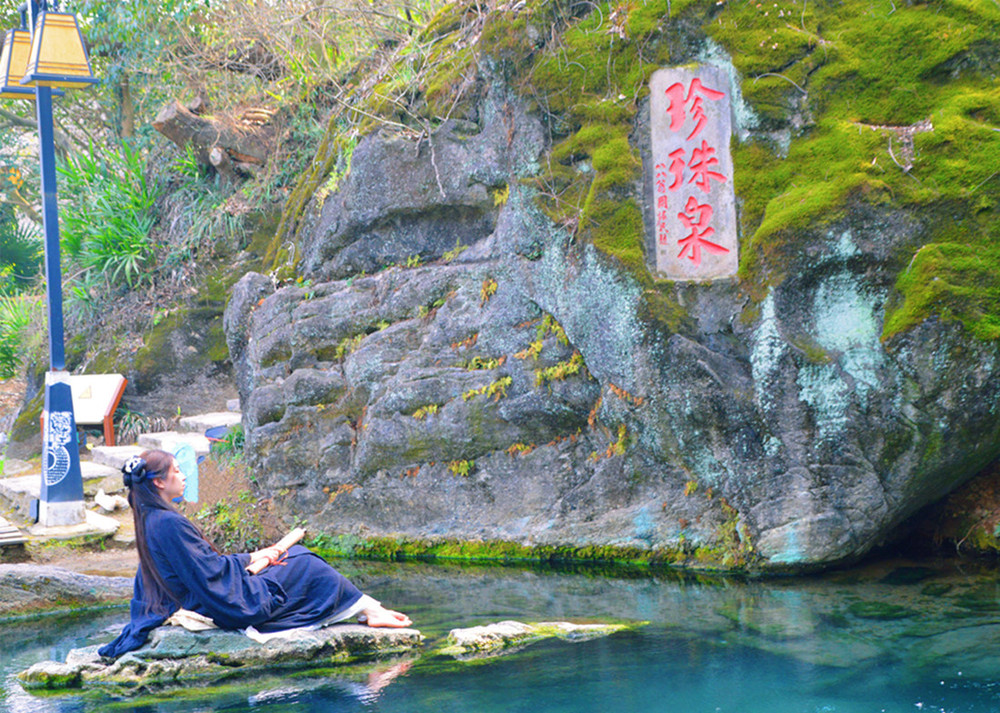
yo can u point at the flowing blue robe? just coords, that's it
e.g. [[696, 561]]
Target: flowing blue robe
[[303, 592]]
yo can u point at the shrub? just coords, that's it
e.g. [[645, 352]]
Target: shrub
[[17, 314], [108, 214]]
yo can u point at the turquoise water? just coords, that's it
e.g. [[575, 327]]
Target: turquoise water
[[892, 637]]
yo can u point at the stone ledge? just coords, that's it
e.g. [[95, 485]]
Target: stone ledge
[[174, 656], [26, 588]]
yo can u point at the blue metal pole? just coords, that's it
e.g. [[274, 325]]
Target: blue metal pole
[[50, 223], [61, 493]]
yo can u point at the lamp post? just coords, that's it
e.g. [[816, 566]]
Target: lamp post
[[44, 54]]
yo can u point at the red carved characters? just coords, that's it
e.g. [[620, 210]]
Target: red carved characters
[[661, 203], [696, 217], [678, 100], [700, 168]]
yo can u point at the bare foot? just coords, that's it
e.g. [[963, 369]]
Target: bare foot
[[381, 616], [380, 678]]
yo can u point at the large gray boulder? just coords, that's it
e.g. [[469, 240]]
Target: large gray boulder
[[519, 391]]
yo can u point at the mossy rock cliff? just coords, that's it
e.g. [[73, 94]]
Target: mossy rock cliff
[[476, 347]]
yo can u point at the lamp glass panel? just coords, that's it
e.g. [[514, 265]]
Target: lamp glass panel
[[58, 57], [13, 62]]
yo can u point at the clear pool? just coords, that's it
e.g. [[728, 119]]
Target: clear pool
[[892, 637]]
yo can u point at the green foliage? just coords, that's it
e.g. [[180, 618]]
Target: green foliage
[[132, 48], [129, 425], [230, 448], [913, 130], [107, 217], [547, 326], [461, 468], [454, 252], [956, 281], [347, 346], [21, 251], [424, 411], [495, 390], [17, 314], [235, 525], [560, 371], [478, 363]]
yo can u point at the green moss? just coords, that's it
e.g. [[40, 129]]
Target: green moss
[[157, 356], [561, 370], [827, 61], [26, 426], [956, 281], [816, 71], [439, 549], [879, 610]]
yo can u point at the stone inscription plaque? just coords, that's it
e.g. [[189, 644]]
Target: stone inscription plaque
[[694, 205]]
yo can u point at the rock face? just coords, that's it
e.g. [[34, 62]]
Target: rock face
[[26, 587], [174, 656], [512, 385]]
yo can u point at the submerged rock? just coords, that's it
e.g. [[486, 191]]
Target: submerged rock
[[506, 636], [175, 656]]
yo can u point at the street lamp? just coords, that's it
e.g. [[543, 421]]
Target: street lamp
[[56, 57]]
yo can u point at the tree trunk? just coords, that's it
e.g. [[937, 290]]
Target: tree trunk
[[128, 110], [249, 145]]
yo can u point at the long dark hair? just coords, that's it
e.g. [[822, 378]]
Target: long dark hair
[[143, 496]]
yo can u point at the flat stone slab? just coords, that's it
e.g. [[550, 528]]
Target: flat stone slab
[[174, 656], [96, 525], [114, 456], [168, 440], [202, 422], [508, 636], [27, 588]]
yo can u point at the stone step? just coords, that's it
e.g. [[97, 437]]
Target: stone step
[[168, 440], [92, 470], [202, 422], [10, 535], [114, 456]]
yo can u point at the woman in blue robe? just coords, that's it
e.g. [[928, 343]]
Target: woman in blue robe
[[180, 570]]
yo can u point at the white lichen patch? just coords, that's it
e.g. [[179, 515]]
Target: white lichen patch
[[845, 246], [765, 358], [745, 119], [847, 325]]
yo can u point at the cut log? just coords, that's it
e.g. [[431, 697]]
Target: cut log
[[225, 164], [249, 145]]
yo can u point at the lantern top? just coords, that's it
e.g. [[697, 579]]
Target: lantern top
[[58, 57]]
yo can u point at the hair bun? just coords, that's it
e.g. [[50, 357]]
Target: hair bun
[[133, 470]]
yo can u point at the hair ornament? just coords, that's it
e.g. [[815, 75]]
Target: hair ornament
[[134, 470]]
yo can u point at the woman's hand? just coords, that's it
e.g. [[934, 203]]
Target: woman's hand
[[267, 556]]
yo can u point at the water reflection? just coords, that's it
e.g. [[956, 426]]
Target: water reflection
[[892, 637]]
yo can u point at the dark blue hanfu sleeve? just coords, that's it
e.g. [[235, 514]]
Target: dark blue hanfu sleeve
[[204, 581], [143, 620]]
